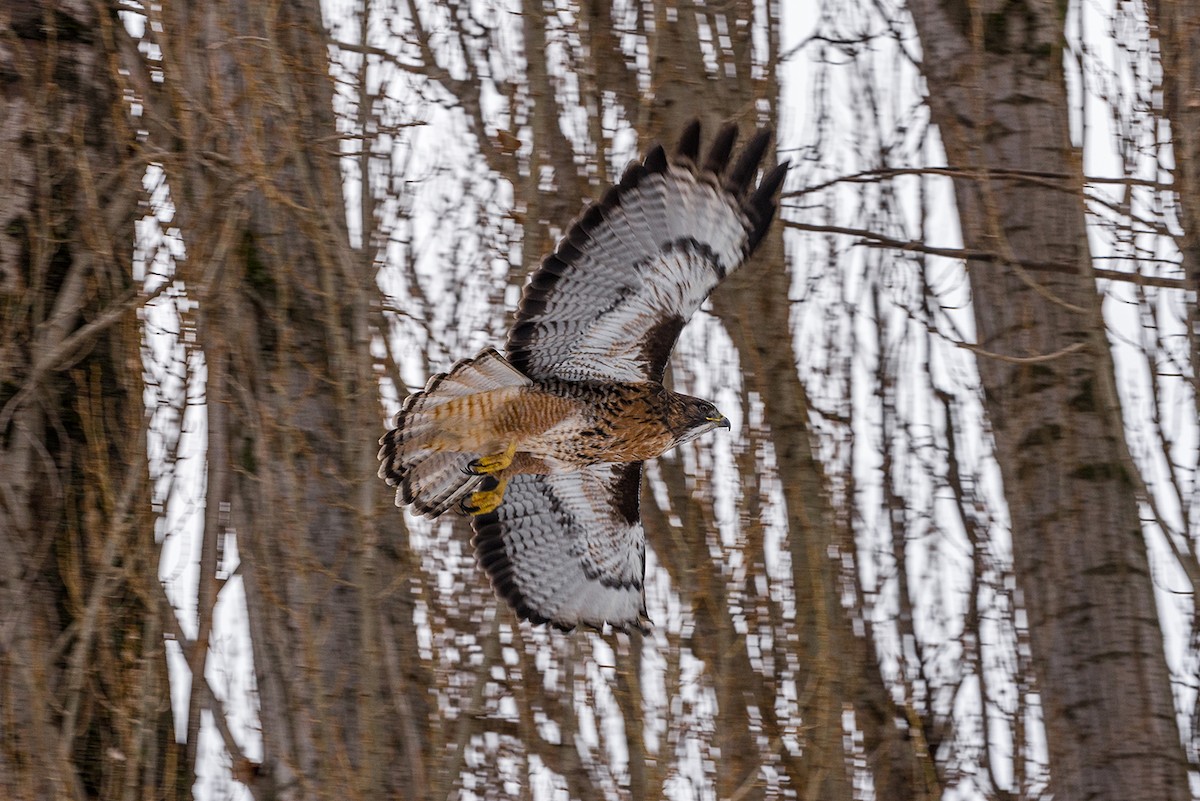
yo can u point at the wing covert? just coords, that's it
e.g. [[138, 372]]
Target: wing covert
[[610, 302], [568, 549]]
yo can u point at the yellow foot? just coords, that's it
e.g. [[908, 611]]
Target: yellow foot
[[486, 499], [486, 465]]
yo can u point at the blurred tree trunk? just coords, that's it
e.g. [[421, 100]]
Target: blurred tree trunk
[[1177, 27], [293, 413], [85, 709], [839, 666], [999, 97]]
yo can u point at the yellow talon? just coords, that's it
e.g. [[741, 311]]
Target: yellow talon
[[486, 500], [486, 465]]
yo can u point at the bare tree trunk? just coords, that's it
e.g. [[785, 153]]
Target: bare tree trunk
[[85, 709], [998, 95], [1177, 24], [840, 667], [285, 322]]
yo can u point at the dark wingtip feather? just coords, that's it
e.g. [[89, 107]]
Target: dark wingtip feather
[[689, 142], [629, 179], [762, 202], [492, 556], [771, 183], [525, 336], [747, 163], [718, 152], [656, 159]]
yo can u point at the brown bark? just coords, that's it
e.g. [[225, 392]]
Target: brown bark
[[998, 95], [286, 326], [84, 704], [839, 667], [1177, 28], [683, 87]]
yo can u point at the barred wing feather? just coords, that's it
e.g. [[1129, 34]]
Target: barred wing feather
[[568, 549], [610, 302]]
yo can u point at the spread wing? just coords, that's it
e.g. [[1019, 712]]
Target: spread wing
[[568, 549], [610, 302]]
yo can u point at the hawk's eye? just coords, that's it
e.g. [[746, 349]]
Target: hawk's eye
[[711, 415]]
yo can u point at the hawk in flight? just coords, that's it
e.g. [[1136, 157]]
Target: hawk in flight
[[544, 446]]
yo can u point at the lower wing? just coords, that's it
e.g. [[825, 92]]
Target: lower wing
[[569, 549]]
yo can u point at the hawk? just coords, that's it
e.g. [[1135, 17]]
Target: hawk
[[544, 446]]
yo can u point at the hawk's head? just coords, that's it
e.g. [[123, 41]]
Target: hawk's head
[[690, 417]]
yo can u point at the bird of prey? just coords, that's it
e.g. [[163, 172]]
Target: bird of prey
[[544, 446]]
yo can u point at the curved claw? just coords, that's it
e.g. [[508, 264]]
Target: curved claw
[[494, 463], [485, 500]]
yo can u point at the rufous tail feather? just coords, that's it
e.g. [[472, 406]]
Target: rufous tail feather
[[418, 457]]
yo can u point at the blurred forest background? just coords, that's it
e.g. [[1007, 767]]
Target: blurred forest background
[[948, 551]]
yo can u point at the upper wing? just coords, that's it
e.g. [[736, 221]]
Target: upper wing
[[568, 549], [610, 302]]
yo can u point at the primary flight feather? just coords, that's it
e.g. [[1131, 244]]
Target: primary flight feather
[[544, 446]]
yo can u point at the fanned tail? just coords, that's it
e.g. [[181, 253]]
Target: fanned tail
[[421, 456]]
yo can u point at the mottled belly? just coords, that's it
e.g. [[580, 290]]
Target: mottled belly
[[584, 439], [552, 432]]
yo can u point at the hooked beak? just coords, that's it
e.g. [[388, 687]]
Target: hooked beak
[[722, 421]]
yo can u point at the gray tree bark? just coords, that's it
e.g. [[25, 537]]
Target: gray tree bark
[[755, 309], [285, 323], [85, 708], [1177, 24], [998, 96]]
